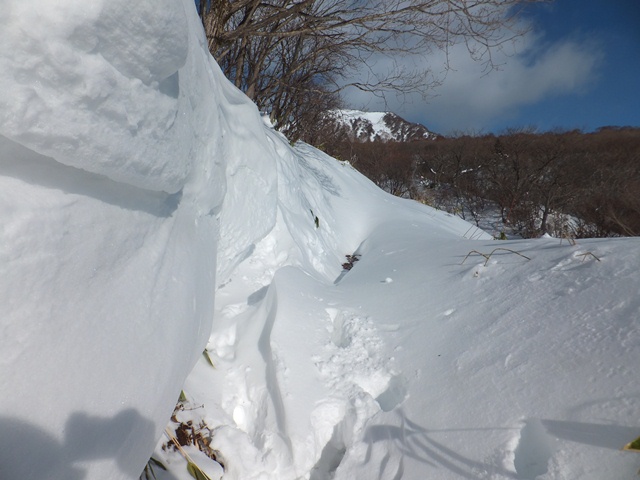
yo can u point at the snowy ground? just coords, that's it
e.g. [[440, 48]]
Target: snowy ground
[[138, 186], [421, 362]]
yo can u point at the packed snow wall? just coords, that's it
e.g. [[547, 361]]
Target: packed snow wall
[[119, 139]]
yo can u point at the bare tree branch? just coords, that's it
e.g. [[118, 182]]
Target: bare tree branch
[[276, 49]]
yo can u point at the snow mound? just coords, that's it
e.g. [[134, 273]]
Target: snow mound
[[113, 171], [99, 88]]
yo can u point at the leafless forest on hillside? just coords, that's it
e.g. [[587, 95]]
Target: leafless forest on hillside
[[293, 58], [570, 184]]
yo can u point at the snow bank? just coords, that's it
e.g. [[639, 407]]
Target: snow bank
[[113, 166]]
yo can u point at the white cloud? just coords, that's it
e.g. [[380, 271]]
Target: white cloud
[[470, 99]]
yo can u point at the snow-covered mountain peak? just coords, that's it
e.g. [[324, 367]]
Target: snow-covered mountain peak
[[380, 126]]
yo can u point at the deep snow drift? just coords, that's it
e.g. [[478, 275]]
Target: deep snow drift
[[113, 171], [425, 360], [137, 185]]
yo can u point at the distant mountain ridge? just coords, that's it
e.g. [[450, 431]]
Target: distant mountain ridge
[[376, 126]]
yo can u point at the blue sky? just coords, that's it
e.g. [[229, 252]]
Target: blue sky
[[579, 67], [612, 97]]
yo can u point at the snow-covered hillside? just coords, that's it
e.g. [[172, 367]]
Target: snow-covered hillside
[[376, 126], [149, 214], [419, 362]]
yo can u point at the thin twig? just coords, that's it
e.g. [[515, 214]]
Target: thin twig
[[571, 240], [474, 251], [584, 256], [488, 257]]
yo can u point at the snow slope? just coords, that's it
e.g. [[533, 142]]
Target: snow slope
[[417, 362], [138, 186]]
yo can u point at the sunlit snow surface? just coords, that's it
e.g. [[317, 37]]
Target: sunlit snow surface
[[127, 164], [419, 362]]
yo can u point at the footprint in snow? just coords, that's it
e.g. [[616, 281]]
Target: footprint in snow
[[354, 360]]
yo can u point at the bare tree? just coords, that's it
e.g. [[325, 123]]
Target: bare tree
[[279, 50]]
